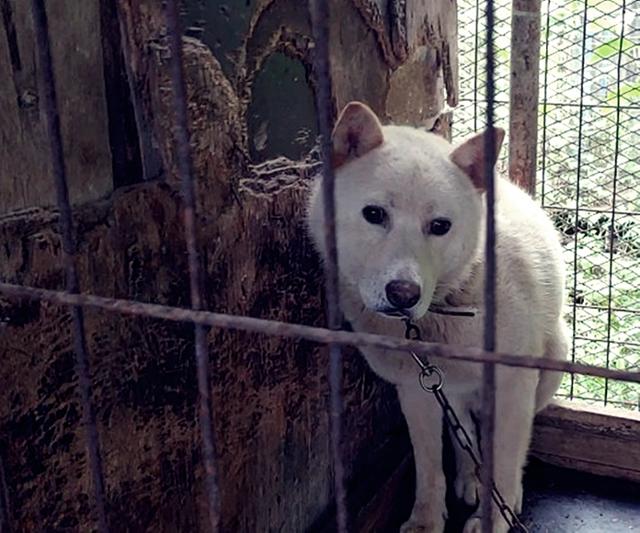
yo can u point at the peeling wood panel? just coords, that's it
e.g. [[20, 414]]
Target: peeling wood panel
[[77, 60], [398, 57], [423, 35]]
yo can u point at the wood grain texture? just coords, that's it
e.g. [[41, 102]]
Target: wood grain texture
[[603, 441], [524, 88], [270, 395], [77, 61]]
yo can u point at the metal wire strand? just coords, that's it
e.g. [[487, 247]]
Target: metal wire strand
[[576, 221], [185, 170], [52, 123], [545, 111], [489, 369], [319, 11], [320, 335], [614, 197]]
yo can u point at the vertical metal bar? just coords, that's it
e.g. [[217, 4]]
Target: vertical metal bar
[[576, 221], [544, 104], [489, 370], [475, 68], [319, 10], [524, 87], [5, 510], [614, 196], [185, 171], [52, 123]]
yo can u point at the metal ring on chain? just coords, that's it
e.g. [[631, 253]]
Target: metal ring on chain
[[426, 378], [412, 331]]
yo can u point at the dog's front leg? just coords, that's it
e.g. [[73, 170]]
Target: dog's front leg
[[515, 409], [424, 418]]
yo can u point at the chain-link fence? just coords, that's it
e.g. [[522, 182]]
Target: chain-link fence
[[588, 165]]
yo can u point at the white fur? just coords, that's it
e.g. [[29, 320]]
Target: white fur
[[412, 176]]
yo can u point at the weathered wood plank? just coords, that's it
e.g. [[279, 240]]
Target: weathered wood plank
[[77, 59], [602, 441], [523, 100]]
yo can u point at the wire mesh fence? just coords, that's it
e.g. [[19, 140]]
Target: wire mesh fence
[[588, 165]]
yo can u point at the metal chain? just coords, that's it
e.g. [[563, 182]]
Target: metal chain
[[426, 379]]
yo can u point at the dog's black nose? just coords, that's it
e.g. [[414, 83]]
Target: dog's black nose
[[402, 294]]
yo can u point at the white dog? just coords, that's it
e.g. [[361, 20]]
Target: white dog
[[410, 211]]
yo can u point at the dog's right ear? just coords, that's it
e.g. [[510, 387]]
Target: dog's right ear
[[357, 132], [470, 156]]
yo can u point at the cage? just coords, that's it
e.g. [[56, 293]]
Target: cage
[[162, 311]]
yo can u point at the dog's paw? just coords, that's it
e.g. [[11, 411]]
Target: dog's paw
[[418, 526], [518, 505], [474, 525], [424, 523], [467, 487], [412, 526]]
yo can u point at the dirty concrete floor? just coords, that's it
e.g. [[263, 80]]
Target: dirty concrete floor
[[556, 500], [563, 501]]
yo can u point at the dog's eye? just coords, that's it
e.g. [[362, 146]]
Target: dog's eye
[[439, 226], [374, 214]]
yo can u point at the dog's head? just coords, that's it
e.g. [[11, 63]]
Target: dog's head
[[409, 211]]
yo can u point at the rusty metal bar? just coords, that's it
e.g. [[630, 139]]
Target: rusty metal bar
[[5, 509], [185, 170], [523, 105], [320, 335], [52, 124], [319, 12], [489, 369]]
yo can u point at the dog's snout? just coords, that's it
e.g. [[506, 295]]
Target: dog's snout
[[402, 294]]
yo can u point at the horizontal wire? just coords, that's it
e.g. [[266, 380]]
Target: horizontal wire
[[312, 333]]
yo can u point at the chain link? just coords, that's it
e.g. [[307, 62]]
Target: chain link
[[427, 373]]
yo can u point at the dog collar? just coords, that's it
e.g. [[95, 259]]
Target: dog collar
[[453, 311]]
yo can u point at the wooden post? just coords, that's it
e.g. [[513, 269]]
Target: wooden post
[[523, 110]]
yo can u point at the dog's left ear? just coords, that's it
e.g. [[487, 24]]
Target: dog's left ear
[[470, 156]]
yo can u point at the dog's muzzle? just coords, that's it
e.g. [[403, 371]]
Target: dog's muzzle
[[402, 294]]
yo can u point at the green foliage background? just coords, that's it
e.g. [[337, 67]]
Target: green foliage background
[[588, 165]]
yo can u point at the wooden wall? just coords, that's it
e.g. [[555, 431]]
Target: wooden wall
[[270, 395], [77, 59]]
